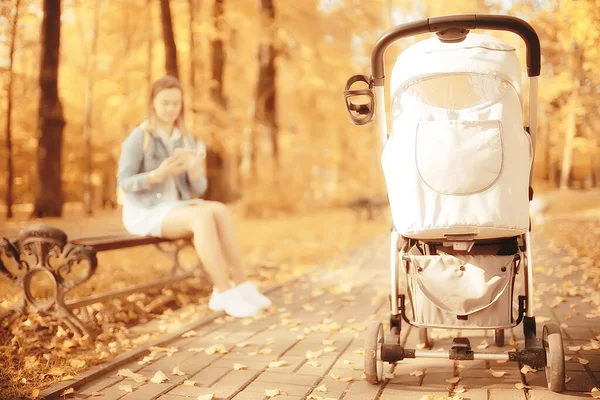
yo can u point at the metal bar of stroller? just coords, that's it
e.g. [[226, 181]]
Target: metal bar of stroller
[[455, 26]]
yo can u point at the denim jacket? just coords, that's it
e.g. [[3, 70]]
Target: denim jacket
[[140, 155]]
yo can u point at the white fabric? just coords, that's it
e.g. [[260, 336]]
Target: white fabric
[[478, 53], [148, 221], [458, 164]]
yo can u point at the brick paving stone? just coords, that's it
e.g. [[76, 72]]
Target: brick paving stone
[[334, 388], [208, 376], [361, 390], [189, 391], [231, 383], [97, 386], [409, 393], [290, 389], [113, 392], [503, 394], [149, 391], [293, 379], [548, 395], [261, 396]]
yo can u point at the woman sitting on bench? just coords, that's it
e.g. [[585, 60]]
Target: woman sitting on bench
[[161, 175]]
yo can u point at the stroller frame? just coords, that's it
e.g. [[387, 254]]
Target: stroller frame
[[547, 353]]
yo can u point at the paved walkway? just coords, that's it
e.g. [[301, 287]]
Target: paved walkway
[[310, 345]]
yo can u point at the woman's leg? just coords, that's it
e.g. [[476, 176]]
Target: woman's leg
[[228, 236], [186, 221]]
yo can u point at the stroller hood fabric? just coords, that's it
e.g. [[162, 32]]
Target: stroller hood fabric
[[476, 54], [457, 161]]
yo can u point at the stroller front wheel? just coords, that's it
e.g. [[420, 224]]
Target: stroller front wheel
[[555, 357], [373, 364]]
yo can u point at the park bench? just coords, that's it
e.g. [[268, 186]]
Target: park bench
[[367, 206], [46, 250]]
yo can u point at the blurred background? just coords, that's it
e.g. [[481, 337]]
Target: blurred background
[[263, 81]]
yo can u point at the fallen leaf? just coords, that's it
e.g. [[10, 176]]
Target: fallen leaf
[[273, 392], [146, 360], [418, 372], [313, 354], [583, 361], [239, 367], [527, 369], [242, 344], [521, 386], [574, 348], [55, 371], [329, 349], [217, 348], [219, 337], [483, 345], [421, 346], [35, 393], [126, 388], [66, 378], [568, 379], [313, 363], [277, 364], [568, 358], [159, 377], [322, 388], [459, 389], [189, 334], [208, 396], [389, 375], [501, 361], [76, 363], [127, 373], [177, 372], [197, 349], [497, 374], [265, 351], [595, 393], [327, 342], [189, 383], [453, 380]]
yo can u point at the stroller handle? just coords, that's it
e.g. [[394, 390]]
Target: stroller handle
[[456, 27]]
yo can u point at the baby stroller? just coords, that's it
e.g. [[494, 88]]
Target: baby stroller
[[458, 170]]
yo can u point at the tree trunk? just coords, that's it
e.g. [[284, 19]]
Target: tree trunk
[[9, 199], [87, 127], [567, 161], [169, 39], [192, 83], [218, 56], [150, 44], [266, 95], [49, 194]]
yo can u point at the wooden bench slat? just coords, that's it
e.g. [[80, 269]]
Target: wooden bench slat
[[117, 241]]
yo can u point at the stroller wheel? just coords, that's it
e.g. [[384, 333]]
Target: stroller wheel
[[373, 364], [555, 357]]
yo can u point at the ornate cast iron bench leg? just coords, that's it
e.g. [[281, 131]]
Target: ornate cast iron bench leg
[[43, 250]]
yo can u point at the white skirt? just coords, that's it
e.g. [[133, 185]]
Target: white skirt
[[148, 221]]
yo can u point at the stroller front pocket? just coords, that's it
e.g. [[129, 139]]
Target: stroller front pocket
[[461, 290], [459, 157]]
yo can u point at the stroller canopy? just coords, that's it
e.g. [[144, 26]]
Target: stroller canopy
[[478, 53]]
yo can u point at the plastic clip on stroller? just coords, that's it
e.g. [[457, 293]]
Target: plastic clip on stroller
[[458, 170]]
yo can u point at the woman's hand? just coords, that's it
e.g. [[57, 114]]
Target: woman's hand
[[170, 167]]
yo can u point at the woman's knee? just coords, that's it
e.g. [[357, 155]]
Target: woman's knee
[[200, 217], [218, 208]]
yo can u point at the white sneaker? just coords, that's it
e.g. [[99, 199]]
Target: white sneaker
[[233, 303], [252, 294]]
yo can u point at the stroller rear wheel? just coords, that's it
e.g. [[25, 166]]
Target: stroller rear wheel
[[555, 357], [373, 340]]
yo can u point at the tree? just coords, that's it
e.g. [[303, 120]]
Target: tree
[[266, 104], [87, 127], [9, 89], [218, 56], [49, 193], [169, 39]]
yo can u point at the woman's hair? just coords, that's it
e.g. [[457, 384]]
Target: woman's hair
[[166, 82]]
